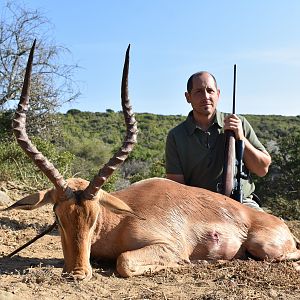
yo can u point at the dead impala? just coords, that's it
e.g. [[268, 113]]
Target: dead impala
[[151, 225]]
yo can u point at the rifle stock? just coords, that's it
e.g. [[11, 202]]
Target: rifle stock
[[229, 164], [229, 156]]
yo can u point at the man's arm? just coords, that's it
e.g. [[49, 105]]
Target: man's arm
[[173, 165], [256, 161]]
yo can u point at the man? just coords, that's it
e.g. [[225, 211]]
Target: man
[[195, 148]]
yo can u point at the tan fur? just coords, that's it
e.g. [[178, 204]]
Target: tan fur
[[175, 224]]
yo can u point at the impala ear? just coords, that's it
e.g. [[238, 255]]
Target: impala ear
[[117, 206], [34, 201]]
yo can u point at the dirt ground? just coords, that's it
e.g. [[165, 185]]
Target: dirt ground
[[34, 273]]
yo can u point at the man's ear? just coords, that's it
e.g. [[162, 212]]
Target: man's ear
[[187, 97], [34, 201]]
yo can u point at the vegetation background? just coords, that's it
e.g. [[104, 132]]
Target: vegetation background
[[79, 143], [82, 142]]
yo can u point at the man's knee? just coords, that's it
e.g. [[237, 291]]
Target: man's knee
[[251, 203]]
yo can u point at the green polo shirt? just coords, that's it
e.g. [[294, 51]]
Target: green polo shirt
[[199, 155]]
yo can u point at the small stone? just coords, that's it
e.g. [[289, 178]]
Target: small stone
[[4, 199], [273, 294], [8, 296]]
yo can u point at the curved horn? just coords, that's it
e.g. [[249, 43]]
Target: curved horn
[[19, 123], [128, 143]]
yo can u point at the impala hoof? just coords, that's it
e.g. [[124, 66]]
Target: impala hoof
[[78, 275], [296, 265]]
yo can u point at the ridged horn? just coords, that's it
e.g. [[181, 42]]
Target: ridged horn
[[128, 143], [19, 129]]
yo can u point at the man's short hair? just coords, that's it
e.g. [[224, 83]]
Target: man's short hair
[[190, 80]]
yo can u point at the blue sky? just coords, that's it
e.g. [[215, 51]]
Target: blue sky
[[170, 40]]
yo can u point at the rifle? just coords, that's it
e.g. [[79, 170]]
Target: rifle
[[234, 152], [237, 193]]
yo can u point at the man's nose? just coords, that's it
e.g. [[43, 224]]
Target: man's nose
[[206, 94]]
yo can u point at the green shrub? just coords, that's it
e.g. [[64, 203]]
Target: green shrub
[[16, 166], [286, 209]]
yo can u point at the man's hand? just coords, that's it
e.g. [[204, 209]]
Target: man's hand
[[232, 122], [255, 160]]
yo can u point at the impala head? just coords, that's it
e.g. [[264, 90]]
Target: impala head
[[76, 201]]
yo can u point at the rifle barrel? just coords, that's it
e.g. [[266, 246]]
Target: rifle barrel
[[234, 86]]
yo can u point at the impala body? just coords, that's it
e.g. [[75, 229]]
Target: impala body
[[174, 224], [151, 225]]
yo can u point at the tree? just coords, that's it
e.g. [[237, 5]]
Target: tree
[[52, 83], [283, 179], [287, 165]]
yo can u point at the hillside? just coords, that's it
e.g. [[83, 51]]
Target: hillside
[[86, 140], [108, 128]]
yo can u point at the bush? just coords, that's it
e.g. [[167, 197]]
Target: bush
[[286, 209], [16, 166], [280, 189]]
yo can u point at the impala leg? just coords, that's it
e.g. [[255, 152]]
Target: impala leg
[[151, 258], [273, 245], [297, 265], [292, 255]]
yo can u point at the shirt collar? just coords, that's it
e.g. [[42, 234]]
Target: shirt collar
[[191, 126], [219, 119]]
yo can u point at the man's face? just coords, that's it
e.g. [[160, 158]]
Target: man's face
[[204, 96]]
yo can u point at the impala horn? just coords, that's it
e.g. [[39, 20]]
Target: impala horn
[[19, 128], [128, 143]]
